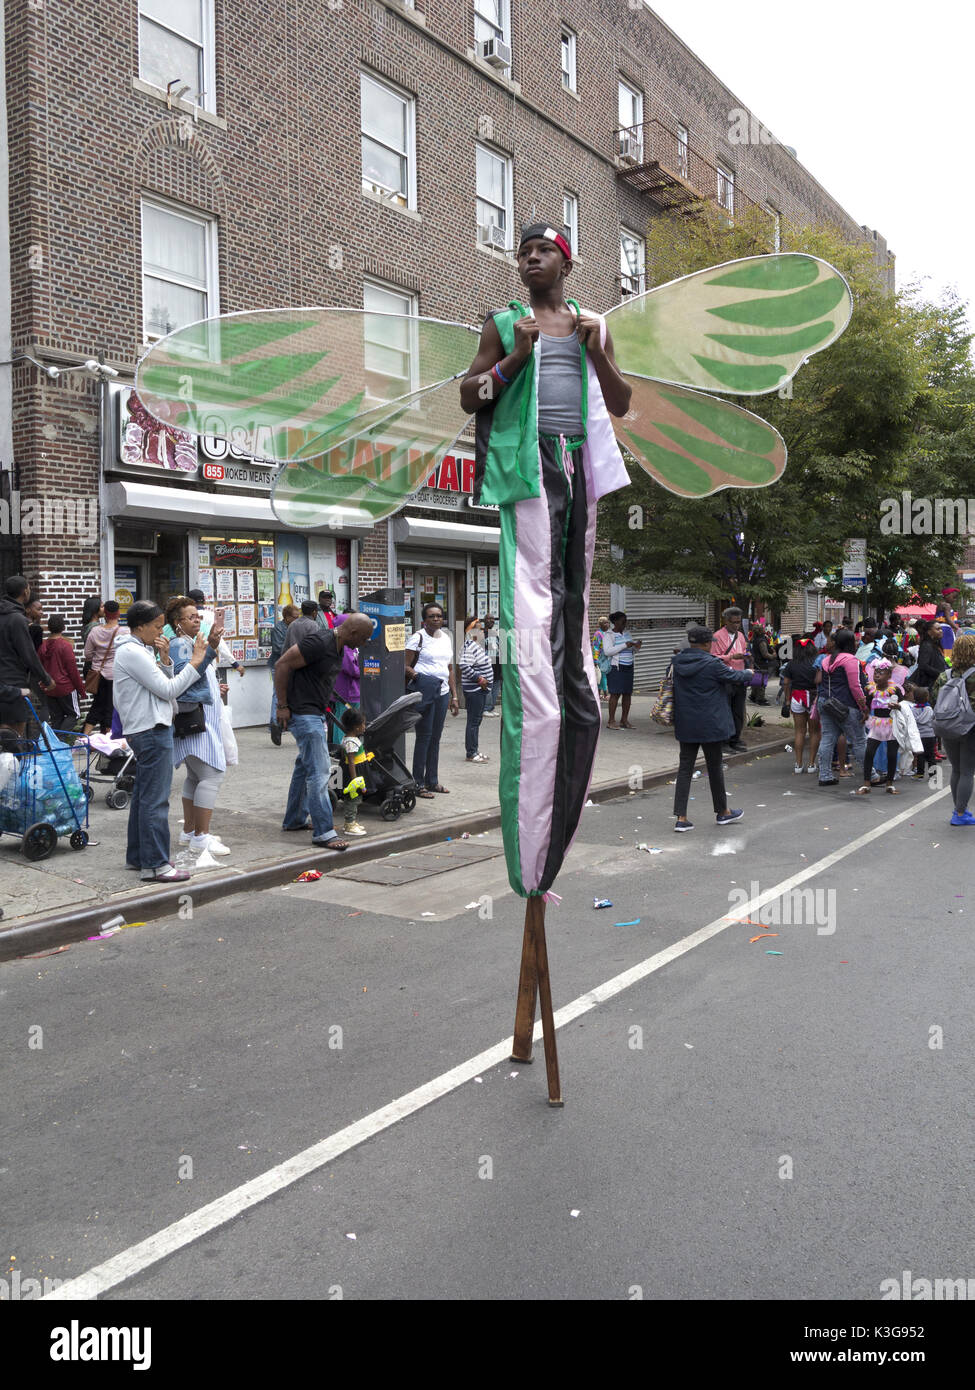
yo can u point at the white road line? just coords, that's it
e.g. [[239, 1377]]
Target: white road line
[[182, 1233]]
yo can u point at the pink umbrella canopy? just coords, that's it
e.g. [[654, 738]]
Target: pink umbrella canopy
[[917, 610]]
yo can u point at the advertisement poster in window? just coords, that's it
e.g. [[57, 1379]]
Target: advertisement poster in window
[[292, 571], [495, 582], [126, 587], [203, 553], [482, 579], [239, 649], [267, 557], [246, 621], [482, 605], [252, 651], [205, 582], [329, 569], [265, 587], [228, 616], [225, 586], [245, 586]]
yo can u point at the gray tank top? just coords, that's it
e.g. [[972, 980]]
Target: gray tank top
[[560, 386]]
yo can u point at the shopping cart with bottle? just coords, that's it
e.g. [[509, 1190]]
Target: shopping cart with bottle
[[43, 790]]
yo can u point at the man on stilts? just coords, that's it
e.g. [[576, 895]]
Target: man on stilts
[[543, 385]]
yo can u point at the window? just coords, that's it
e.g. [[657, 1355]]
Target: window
[[388, 140], [570, 216], [179, 268], [632, 263], [494, 198], [776, 217], [630, 119], [683, 152], [569, 60], [726, 188], [390, 344], [490, 21], [176, 46]]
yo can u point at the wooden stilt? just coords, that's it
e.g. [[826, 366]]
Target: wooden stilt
[[527, 990], [534, 982]]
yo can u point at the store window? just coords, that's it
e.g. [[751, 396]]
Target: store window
[[242, 577], [179, 268]]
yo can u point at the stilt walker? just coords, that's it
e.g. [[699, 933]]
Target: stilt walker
[[305, 387], [542, 384]]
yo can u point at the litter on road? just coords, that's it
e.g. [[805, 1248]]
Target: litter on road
[[761, 937], [601, 902], [635, 923], [773, 953]]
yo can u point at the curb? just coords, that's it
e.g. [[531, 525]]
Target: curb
[[64, 928]]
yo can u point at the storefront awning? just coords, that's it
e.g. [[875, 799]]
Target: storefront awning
[[190, 508], [414, 530]]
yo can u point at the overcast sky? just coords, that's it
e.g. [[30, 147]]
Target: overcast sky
[[877, 101]]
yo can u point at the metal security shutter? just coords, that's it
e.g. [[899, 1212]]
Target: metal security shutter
[[660, 622], [812, 608]]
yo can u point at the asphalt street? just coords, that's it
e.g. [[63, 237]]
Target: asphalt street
[[737, 1124]]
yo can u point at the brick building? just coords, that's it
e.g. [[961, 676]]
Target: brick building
[[174, 159]]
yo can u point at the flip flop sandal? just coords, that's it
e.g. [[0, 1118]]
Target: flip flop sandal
[[439, 789], [427, 795]]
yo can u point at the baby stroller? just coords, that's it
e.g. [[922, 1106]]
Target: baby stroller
[[389, 784], [115, 763]]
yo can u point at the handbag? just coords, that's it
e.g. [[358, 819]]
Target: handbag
[[94, 677], [663, 710], [189, 721], [836, 709]]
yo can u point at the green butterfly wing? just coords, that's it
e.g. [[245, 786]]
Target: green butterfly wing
[[694, 445], [745, 327], [350, 400], [373, 470]]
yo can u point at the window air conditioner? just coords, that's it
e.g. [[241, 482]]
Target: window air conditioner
[[495, 52], [493, 236], [630, 150]]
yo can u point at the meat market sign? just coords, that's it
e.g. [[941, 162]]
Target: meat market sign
[[143, 443], [448, 484]]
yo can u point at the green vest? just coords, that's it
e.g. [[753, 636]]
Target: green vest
[[511, 467]]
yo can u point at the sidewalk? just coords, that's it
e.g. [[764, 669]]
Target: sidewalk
[[248, 816]]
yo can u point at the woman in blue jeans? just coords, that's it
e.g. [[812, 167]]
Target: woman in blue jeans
[[429, 668], [842, 680], [477, 679], [145, 691]]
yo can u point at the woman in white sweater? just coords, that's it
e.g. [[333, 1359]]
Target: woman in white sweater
[[145, 694]]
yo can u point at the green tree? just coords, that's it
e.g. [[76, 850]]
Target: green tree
[[887, 401]]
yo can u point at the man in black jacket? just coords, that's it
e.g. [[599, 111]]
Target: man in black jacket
[[18, 656]]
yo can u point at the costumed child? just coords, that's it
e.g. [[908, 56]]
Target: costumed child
[[353, 783], [884, 696]]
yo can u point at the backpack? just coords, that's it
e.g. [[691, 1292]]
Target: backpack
[[953, 713]]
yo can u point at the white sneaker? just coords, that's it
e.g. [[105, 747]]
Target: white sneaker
[[354, 830], [799, 769], [199, 843]]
